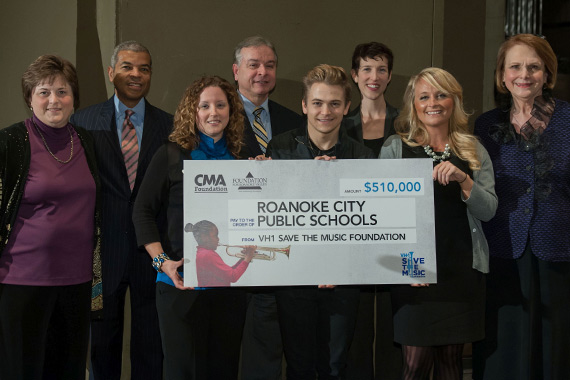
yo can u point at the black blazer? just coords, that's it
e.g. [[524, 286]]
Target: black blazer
[[119, 245], [353, 123], [282, 120]]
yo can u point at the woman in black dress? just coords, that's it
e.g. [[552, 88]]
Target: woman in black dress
[[433, 322]]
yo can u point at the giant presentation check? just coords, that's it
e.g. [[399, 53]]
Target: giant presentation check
[[313, 222]]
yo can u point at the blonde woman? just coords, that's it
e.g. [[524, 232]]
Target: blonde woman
[[432, 322]]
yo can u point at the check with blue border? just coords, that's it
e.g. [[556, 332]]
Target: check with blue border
[[316, 222]]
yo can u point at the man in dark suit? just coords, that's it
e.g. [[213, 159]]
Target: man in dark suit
[[254, 69], [124, 265]]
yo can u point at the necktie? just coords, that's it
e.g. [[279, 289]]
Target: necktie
[[259, 129], [130, 148]]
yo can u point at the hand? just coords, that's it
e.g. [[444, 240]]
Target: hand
[[419, 285], [248, 252], [325, 158], [446, 172], [326, 286], [170, 268], [260, 157]]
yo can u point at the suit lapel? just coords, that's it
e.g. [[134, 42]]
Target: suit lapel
[[149, 133], [107, 122]]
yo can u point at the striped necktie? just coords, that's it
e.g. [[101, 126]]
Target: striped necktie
[[130, 148], [259, 129]]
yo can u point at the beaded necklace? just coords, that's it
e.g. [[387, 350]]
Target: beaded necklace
[[436, 158]]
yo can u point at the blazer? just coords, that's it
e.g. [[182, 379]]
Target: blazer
[[481, 205], [282, 120], [119, 246], [532, 185], [353, 123]]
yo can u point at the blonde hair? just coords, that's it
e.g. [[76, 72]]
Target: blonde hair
[[414, 133], [185, 131], [330, 75]]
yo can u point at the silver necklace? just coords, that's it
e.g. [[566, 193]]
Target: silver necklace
[[517, 119], [444, 156], [49, 150]]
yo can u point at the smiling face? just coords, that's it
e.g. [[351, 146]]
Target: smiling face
[[213, 112], [131, 76], [433, 107], [372, 77], [53, 103], [325, 106], [255, 73], [524, 74]]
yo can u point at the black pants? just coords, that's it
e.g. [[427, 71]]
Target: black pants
[[317, 326], [201, 331], [373, 353], [44, 331], [527, 325], [262, 350], [107, 334]]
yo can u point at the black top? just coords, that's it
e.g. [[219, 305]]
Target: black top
[[295, 145], [375, 145], [162, 190], [353, 124], [451, 311]]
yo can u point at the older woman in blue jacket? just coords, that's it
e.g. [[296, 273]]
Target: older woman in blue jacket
[[528, 314]]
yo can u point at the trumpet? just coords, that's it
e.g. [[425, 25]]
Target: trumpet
[[270, 255]]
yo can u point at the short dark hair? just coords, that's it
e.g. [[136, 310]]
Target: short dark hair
[[135, 46], [47, 68], [200, 229], [372, 50]]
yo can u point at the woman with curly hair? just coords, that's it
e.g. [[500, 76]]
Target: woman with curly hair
[[433, 322], [200, 328]]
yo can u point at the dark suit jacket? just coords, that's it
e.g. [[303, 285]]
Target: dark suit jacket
[[282, 120], [119, 245], [353, 123]]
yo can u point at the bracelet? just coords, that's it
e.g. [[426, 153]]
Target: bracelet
[[464, 179], [158, 261]]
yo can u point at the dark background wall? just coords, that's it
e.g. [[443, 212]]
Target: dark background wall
[[191, 38]]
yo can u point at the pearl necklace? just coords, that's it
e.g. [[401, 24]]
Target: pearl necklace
[[49, 150], [444, 156]]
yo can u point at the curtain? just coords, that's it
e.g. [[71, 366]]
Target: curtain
[[523, 16]]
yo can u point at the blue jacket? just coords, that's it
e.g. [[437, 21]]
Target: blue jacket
[[533, 187]]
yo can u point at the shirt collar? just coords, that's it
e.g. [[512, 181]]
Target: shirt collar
[[249, 106], [120, 108]]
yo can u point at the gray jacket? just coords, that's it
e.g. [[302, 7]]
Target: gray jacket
[[481, 205]]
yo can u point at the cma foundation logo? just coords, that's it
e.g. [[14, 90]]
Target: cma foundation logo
[[210, 183], [411, 265], [249, 183]]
